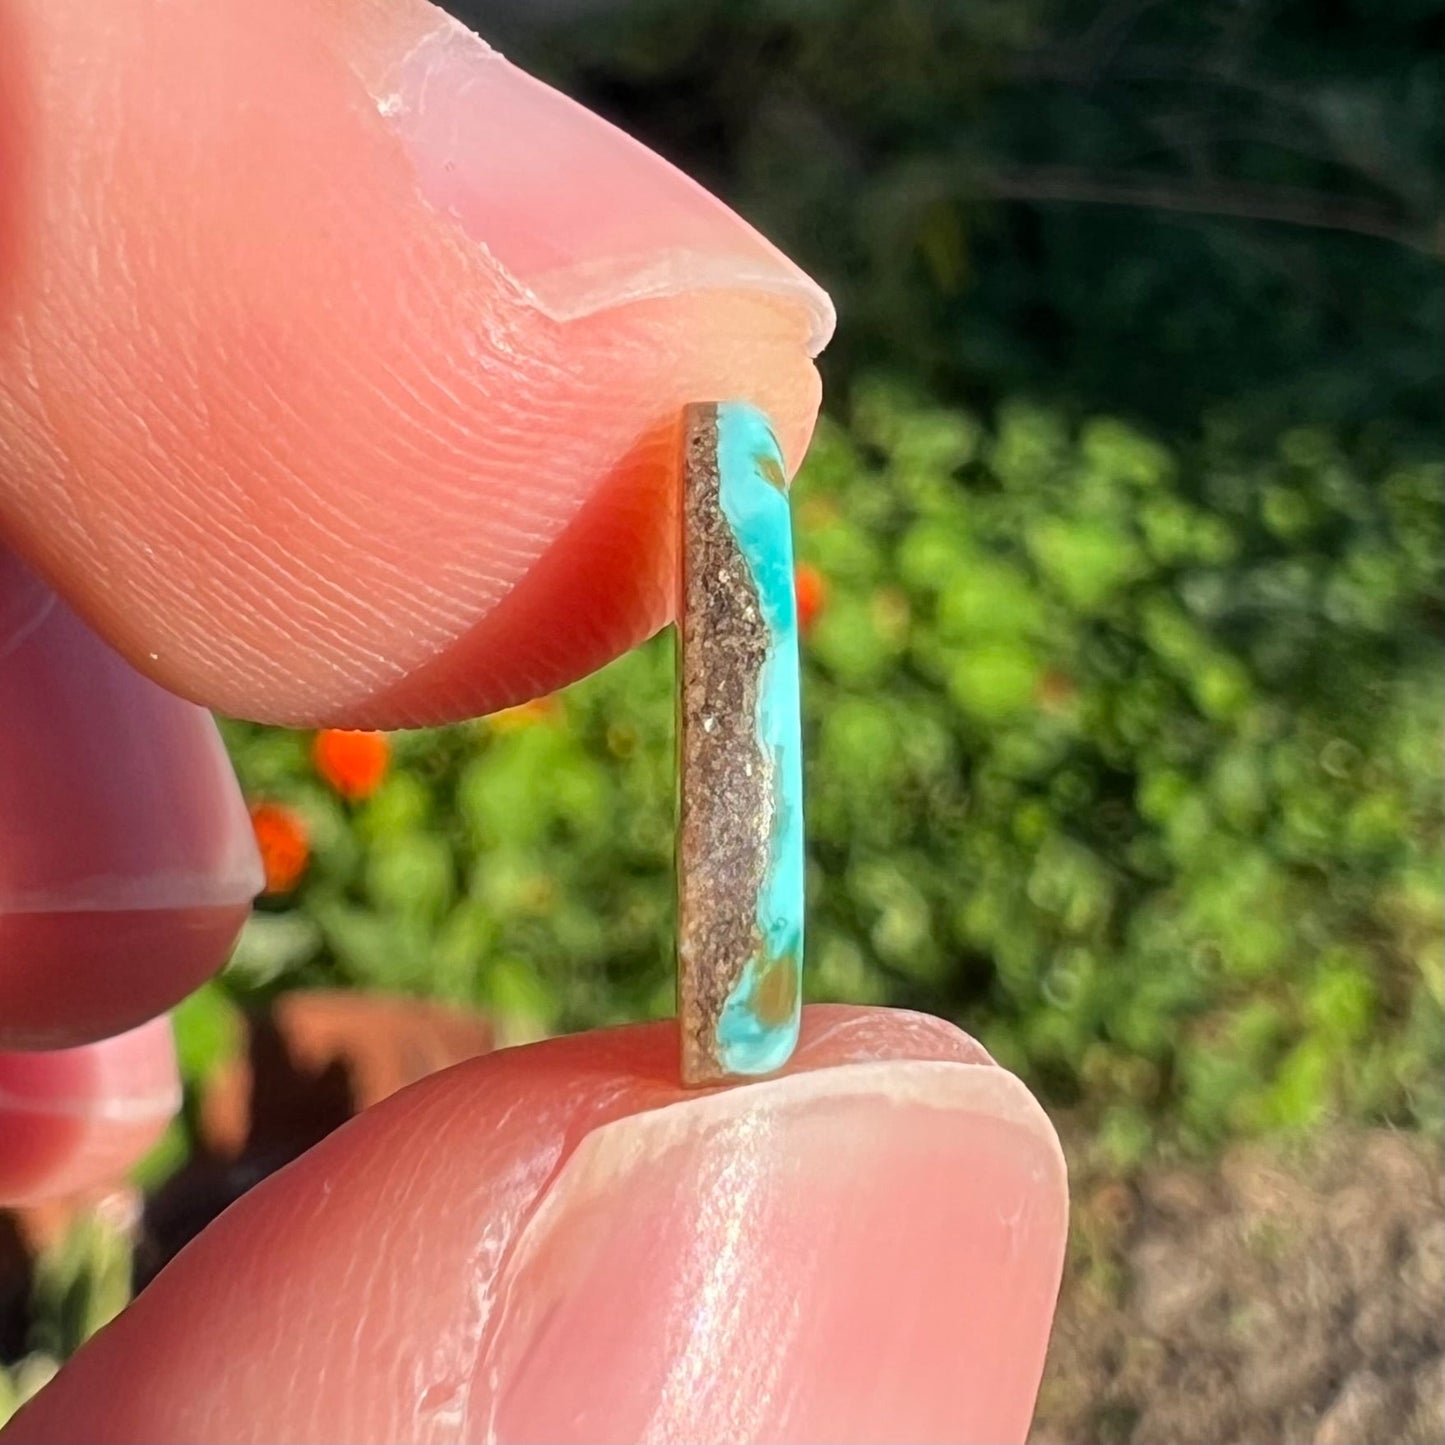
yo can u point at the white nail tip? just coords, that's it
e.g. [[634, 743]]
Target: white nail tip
[[451, 87], [592, 287], [964, 1089]]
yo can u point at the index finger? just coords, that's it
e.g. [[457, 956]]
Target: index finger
[[340, 360]]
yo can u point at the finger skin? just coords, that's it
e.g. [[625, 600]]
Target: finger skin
[[310, 428], [76, 1119], [417, 1275], [127, 861]]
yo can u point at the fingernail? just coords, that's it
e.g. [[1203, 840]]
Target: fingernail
[[73, 1119], [126, 852], [579, 214], [870, 1252]]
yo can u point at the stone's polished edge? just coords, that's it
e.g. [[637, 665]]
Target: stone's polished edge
[[740, 859]]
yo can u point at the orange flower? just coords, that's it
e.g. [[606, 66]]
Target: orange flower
[[527, 714], [285, 851], [812, 593], [354, 763]]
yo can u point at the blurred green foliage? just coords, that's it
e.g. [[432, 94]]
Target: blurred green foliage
[[1126, 757], [1151, 209], [80, 1282]]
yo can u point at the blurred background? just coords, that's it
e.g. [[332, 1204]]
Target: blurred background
[[1121, 575]]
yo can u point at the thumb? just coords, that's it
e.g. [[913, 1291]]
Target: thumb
[[339, 360], [555, 1243]]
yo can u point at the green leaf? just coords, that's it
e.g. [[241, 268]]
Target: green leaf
[[993, 681], [1087, 561], [209, 1032]]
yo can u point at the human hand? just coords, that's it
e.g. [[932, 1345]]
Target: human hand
[[339, 369]]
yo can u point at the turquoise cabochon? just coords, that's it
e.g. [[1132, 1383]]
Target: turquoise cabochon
[[755, 1036]]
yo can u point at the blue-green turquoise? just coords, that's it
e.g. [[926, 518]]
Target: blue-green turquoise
[[752, 1038]]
